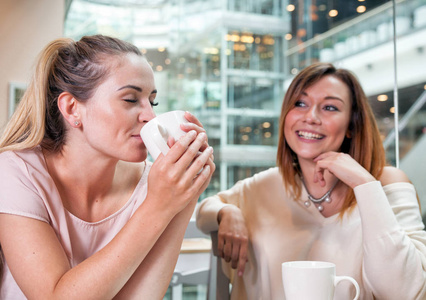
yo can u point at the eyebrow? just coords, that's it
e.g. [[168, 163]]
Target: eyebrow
[[333, 98], [326, 97], [129, 86]]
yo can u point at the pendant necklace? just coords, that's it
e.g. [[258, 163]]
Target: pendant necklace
[[319, 201]]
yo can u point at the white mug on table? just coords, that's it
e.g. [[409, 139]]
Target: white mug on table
[[156, 132], [308, 280]]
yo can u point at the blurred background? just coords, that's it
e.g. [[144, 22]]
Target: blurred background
[[230, 62]]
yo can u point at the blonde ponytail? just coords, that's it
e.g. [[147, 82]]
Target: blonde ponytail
[[26, 128]]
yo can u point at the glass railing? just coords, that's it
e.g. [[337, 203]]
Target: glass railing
[[411, 129], [361, 33]]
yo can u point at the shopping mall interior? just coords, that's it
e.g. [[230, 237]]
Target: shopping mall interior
[[231, 61]]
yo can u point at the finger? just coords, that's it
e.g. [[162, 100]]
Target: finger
[[227, 251], [170, 141], [199, 163], [235, 256], [201, 181], [192, 126], [220, 243], [192, 119], [319, 175], [193, 160], [243, 259], [179, 147], [204, 178], [324, 155]]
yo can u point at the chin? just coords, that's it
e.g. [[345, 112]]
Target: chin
[[135, 157], [308, 156]]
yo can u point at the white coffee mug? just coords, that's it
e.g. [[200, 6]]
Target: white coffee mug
[[156, 132], [307, 280]]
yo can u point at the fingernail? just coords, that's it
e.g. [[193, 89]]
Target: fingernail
[[240, 273]]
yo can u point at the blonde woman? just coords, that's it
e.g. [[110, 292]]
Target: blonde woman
[[83, 215], [331, 198]]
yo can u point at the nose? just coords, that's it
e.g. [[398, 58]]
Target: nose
[[312, 116], [146, 114]]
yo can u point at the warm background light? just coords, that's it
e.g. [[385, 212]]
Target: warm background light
[[360, 9], [382, 98], [333, 13]]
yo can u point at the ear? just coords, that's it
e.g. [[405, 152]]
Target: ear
[[68, 106]]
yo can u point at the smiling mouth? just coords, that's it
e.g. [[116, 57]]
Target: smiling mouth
[[309, 135]]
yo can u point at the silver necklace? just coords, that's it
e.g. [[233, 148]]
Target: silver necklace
[[326, 197]]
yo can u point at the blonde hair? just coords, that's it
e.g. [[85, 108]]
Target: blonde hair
[[63, 65], [364, 143]]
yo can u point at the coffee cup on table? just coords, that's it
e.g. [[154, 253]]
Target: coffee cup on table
[[157, 131], [307, 280]]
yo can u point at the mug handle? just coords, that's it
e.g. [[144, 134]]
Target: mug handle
[[337, 279], [160, 138]]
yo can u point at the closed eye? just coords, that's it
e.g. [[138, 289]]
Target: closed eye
[[153, 103], [131, 100]]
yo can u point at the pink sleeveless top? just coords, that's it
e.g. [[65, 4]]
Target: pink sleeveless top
[[26, 189]]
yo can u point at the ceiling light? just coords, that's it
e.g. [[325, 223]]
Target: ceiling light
[[360, 9], [288, 36], [382, 98], [266, 125], [392, 109], [333, 13], [291, 7]]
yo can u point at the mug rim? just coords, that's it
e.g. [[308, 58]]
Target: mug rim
[[157, 118], [305, 264]]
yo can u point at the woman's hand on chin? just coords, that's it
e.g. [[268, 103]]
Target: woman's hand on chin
[[343, 166]]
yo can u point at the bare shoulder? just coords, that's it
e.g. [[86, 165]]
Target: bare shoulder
[[393, 175]]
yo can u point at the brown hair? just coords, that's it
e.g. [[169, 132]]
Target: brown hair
[[64, 65], [364, 144]]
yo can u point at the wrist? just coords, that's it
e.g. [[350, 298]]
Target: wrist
[[223, 211]]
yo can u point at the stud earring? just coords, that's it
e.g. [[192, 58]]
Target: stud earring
[[76, 123]]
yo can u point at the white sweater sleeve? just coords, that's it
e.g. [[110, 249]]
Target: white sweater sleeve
[[394, 242], [207, 210]]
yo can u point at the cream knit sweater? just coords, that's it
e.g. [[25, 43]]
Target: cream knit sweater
[[381, 243]]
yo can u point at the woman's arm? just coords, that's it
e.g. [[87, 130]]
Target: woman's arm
[[40, 266], [153, 276], [221, 213], [394, 240], [393, 237]]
